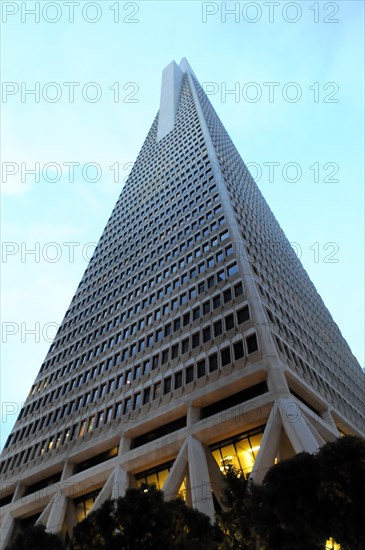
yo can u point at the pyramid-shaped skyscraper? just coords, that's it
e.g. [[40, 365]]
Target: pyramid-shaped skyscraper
[[195, 337]]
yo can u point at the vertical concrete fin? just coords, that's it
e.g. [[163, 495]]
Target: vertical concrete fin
[[216, 478], [269, 446], [177, 473], [43, 518], [201, 493], [57, 513], [104, 494], [296, 427], [6, 529], [172, 77], [120, 482]]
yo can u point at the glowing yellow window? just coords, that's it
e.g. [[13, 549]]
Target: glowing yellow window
[[332, 545]]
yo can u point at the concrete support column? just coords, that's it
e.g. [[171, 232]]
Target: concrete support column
[[59, 502], [7, 527], [193, 416], [120, 482], [19, 492], [201, 494], [269, 446], [124, 445], [177, 473], [57, 513], [296, 427]]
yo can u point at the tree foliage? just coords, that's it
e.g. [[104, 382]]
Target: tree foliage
[[341, 490], [35, 537], [302, 502], [143, 519], [236, 519]]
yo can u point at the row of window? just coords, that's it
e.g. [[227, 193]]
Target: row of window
[[202, 367], [131, 329], [171, 226], [131, 295], [148, 364]]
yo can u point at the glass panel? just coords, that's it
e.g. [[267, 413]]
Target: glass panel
[[229, 456], [217, 457], [152, 478], [255, 444], [245, 455], [182, 491], [162, 476]]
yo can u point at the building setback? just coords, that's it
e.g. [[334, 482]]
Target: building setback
[[195, 337]]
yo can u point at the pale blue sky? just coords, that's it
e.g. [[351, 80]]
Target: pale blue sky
[[305, 132]]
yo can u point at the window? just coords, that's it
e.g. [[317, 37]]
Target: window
[[225, 356], [232, 270], [192, 293], [206, 334], [146, 395], [164, 356], [185, 345], [213, 362], [168, 329], [99, 419], [167, 385], [243, 315], [127, 405], [118, 410], [189, 374], [227, 295], [186, 319], [251, 343], [201, 368], [210, 281], [238, 350], [147, 366], [178, 380], [177, 324], [196, 313], [109, 414], [137, 400], [174, 351], [206, 307], [218, 328], [216, 301], [82, 428], [220, 276], [229, 321], [195, 340], [157, 390]]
